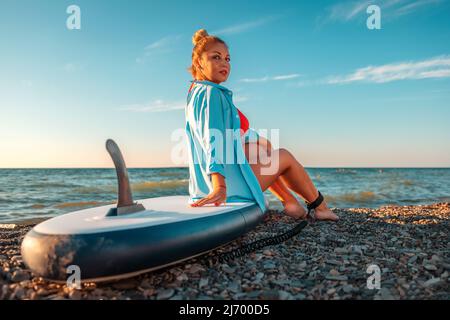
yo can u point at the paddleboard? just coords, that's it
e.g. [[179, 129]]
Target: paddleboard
[[107, 248], [129, 238]]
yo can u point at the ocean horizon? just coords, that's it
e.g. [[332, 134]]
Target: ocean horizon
[[39, 193]]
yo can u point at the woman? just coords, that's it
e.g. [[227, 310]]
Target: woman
[[210, 115]]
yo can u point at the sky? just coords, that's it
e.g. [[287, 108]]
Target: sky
[[340, 94]]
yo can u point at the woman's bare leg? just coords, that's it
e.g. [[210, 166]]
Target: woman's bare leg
[[291, 205], [282, 164]]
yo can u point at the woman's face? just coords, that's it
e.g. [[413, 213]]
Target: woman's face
[[215, 63]]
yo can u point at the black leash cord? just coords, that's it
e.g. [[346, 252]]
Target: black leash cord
[[269, 241], [253, 246]]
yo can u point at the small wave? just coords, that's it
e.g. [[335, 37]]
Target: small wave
[[426, 200], [4, 200], [170, 173], [43, 184], [158, 185], [346, 171], [358, 197], [138, 187], [94, 189], [37, 206], [407, 182], [81, 204]]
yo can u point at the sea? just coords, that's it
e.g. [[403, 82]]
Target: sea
[[30, 194]]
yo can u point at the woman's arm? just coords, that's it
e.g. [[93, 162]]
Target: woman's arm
[[218, 180]]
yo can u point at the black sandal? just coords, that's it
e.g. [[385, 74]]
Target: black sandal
[[312, 206]]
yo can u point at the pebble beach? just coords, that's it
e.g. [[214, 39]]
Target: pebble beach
[[409, 244]]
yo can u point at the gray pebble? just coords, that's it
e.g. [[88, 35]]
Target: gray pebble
[[348, 288], [336, 278], [412, 260], [19, 293], [75, 295], [284, 295], [195, 268], [203, 282], [259, 276], [433, 282], [165, 294], [19, 276], [269, 265], [270, 295], [340, 250], [430, 267], [253, 294], [234, 287]]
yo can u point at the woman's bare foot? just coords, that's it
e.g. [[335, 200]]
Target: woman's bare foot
[[322, 212], [294, 209]]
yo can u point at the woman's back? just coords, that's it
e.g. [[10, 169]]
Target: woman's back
[[245, 124], [211, 115]]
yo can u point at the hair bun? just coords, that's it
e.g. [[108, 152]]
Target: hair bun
[[199, 35]]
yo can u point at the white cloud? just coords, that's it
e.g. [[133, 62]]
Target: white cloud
[[155, 106], [274, 78], [245, 26], [240, 99], [437, 67], [445, 73], [266, 78], [71, 67], [415, 5], [304, 83], [164, 106], [346, 11], [163, 45], [286, 77]]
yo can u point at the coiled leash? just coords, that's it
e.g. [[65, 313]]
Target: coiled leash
[[217, 257]]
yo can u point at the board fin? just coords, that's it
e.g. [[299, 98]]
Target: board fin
[[125, 204]]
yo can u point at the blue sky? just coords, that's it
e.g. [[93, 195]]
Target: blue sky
[[342, 95]]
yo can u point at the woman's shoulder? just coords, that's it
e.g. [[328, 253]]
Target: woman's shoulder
[[202, 88], [203, 93]]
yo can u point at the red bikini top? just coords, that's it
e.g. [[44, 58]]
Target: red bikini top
[[245, 125], [244, 122]]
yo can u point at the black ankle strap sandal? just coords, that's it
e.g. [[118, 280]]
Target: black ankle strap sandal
[[313, 205]]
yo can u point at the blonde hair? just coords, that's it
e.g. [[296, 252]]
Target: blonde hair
[[200, 40]]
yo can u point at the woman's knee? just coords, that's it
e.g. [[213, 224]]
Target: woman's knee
[[284, 153], [286, 158]]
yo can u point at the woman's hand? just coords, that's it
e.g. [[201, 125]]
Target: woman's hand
[[218, 195]]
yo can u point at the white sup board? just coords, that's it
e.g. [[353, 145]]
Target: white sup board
[[108, 247]]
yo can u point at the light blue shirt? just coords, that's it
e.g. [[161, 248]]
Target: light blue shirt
[[210, 110]]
